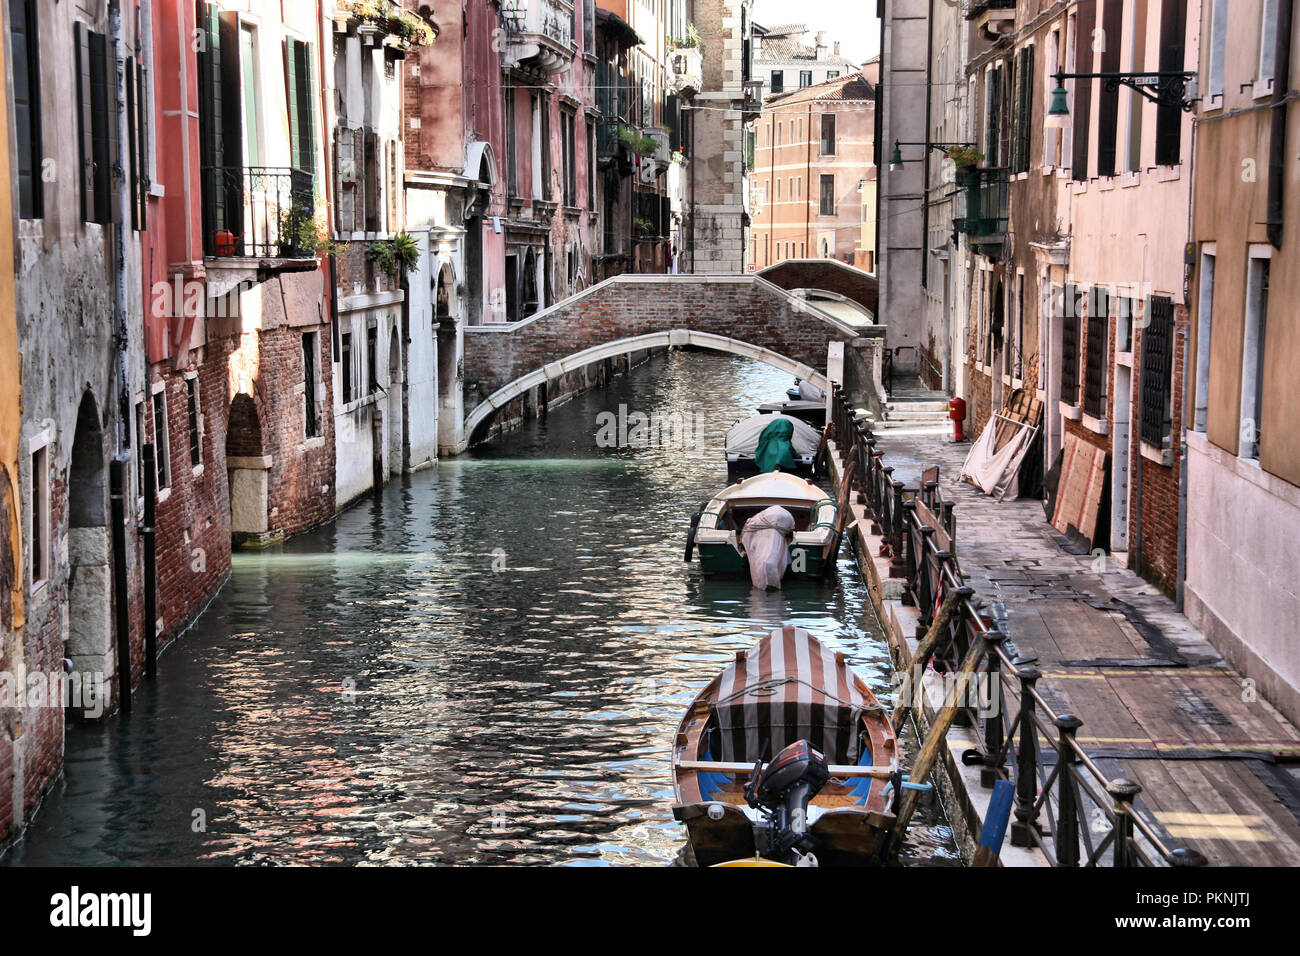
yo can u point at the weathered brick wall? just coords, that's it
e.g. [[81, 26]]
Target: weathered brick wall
[[192, 544], [742, 308], [302, 473], [1159, 502]]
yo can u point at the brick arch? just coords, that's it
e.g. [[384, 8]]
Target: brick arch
[[743, 315]]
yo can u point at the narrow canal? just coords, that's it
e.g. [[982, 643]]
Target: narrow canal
[[486, 664]]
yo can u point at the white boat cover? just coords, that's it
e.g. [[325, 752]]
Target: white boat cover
[[811, 393], [788, 687], [742, 438], [766, 540]]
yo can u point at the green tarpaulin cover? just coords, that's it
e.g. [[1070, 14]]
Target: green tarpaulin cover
[[774, 448]]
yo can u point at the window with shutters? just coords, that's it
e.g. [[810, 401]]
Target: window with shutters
[[805, 78], [1108, 102], [993, 116], [138, 139], [25, 57], [300, 99], [591, 164], [97, 126], [1081, 105], [568, 149], [1173, 41], [512, 159], [1095, 368], [1022, 111], [778, 81], [1157, 367], [1070, 328]]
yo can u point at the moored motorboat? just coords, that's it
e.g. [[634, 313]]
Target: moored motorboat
[[786, 755], [727, 545], [744, 440], [814, 413]]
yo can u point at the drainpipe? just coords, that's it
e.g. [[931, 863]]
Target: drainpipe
[[121, 335], [121, 606], [1277, 138], [120, 226], [807, 213]]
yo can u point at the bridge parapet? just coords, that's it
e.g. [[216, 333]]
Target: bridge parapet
[[744, 315]]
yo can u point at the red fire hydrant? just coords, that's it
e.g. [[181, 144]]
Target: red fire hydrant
[[957, 412]]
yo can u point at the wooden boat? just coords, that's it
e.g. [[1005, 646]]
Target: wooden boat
[[814, 413], [716, 531], [743, 438], [786, 690]]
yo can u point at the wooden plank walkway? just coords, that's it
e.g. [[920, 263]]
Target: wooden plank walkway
[[1219, 767]]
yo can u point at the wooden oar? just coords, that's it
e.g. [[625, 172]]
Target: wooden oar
[[995, 824], [935, 741], [936, 635]]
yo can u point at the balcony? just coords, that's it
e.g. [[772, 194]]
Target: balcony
[[262, 213], [995, 18], [985, 221], [687, 76], [538, 35]]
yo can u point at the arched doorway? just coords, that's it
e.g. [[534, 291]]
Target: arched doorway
[[249, 470], [395, 418], [90, 551]]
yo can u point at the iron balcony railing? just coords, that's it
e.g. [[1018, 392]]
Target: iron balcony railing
[[258, 212], [1063, 799]]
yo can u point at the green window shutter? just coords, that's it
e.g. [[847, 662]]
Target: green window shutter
[[291, 100], [103, 88], [24, 49], [142, 143], [306, 110], [85, 120], [132, 134]]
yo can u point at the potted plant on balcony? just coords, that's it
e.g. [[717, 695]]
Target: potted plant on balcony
[[965, 158], [644, 227]]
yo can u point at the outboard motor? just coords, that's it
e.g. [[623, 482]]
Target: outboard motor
[[782, 792]]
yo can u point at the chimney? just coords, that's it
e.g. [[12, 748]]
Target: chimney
[[837, 47], [821, 44]]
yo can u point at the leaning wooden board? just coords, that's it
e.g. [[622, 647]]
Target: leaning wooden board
[[1083, 476]]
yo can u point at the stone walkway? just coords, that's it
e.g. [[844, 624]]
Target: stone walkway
[[1159, 704]]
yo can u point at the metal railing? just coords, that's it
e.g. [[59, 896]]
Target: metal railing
[[1059, 787], [259, 211]]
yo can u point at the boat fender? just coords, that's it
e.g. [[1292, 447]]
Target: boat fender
[[690, 535]]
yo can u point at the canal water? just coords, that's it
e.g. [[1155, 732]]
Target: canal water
[[485, 664]]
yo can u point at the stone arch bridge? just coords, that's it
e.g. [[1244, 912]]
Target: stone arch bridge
[[743, 315]]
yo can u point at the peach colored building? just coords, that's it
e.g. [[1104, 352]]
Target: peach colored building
[[813, 161]]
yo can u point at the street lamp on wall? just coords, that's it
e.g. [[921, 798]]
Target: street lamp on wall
[[896, 158], [1164, 89]]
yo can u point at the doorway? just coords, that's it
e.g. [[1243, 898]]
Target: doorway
[[249, 469], [90, 552]]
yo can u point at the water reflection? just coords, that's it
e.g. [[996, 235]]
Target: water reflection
[[485, 664]]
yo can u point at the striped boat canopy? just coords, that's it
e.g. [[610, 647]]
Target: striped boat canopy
[[789, 687]]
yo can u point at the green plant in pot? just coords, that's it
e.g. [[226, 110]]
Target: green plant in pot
[[389, 256]]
